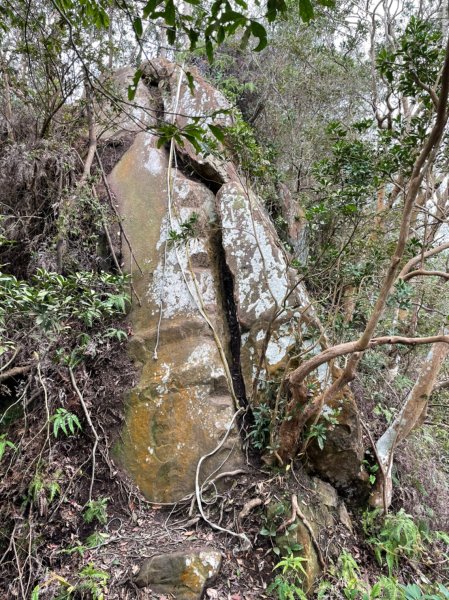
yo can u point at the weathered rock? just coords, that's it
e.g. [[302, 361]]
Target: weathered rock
[[185, 575], [138, 116], [340, 461], [323, 512], [328, 495], [182, 406], [267, 296], [218, 301], [204, 101], [344, 517]]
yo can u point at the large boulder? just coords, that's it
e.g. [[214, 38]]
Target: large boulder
[[217, 311]]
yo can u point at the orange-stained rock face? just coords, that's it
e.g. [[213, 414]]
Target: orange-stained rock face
[[179, 411], [203, 303], [182, 406]]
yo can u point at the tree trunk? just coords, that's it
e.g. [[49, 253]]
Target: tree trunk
[[411, 415]]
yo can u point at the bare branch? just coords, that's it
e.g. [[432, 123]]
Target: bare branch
[[416, 259], [424, 273], [15, 371], [350, 347]]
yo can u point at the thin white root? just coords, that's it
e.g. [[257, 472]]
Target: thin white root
[[245, 542], [91, 425]]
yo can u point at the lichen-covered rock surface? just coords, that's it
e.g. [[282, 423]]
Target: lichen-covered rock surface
[[216, 312], [182, 575]]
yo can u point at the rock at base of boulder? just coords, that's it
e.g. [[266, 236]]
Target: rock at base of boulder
[[185, 575]]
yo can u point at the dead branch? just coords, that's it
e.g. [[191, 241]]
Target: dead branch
[[12, 359], [91, 425], [248, 507], [381, 465], [92, 136], [14, 372]]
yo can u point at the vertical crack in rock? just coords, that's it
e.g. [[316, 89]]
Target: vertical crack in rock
[[225, 281], [230, 311]]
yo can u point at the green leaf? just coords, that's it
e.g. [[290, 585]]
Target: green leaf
[[217, 132], [137, 26], [209, 50], [259, 32], [150, 7], [306, 10], [190, 82], [220, 35], [170, 13], [171, 35], [35, 593], [132, 89]]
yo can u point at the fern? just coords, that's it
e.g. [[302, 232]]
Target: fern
[[96, 510], [387, 588], [66, 421]]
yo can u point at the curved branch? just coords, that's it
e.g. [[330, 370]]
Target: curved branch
[[350, 347], [424, 273], [416, 259]]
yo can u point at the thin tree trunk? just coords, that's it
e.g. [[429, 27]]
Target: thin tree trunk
[[61, 244], [7, 106], [412, 414]]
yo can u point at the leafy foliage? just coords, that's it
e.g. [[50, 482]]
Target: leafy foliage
[[395, 537], [4, 444], [96, 510], [66, 421], [187, 230], [56, 302], [259, 434], [288, 583]]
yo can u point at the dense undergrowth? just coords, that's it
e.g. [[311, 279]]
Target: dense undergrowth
[[63, 369]]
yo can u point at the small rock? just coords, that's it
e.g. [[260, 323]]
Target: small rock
[[328, 495], [344, 517], [185, 575]]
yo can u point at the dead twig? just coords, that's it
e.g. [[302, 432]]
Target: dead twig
[[248, 507], [14, 372]]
